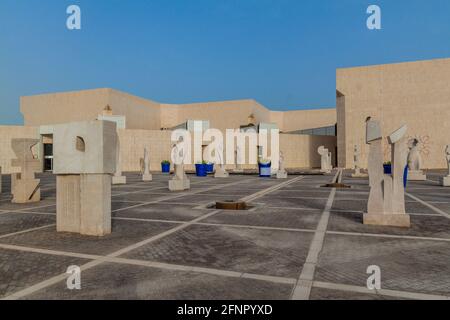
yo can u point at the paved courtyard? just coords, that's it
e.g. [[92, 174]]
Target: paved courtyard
[[298, 241]]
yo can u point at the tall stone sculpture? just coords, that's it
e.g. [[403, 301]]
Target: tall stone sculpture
[[146, 176], [325, 160], [281, 174], [386, 205], [220, 170], [356, 159], [84, 162], [180, 181], [24, 187], [445, 181], [238, 159], [118, 178], [415, 162]]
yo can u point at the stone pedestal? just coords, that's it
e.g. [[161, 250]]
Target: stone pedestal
[[393, 220], [416, 176], [83, 204], [119, 180], [221, 173], [26, 191], [282, 175], [147, 177], [179, 185], [445, 181]]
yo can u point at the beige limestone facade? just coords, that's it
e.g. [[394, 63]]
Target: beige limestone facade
[[413, 93]]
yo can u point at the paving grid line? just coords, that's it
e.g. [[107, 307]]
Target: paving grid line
[[302, 289], [91, 264], [27, 230], [381, 292], [429, 206]]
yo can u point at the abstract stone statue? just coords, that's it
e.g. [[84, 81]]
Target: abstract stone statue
[[386, 205], [445, 181], [325, 161], [356, 159], [415, 162], [146, 176], [238, 158], [24, 187], [220, 170], [84, 162], [281, 174], [180, 181], [118, 178]]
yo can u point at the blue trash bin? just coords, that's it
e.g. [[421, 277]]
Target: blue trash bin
[[265, 170]]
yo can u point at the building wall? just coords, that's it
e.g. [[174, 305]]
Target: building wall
[[415, 93], [308, 119]]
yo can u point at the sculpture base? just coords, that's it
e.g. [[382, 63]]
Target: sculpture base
[[179, 185], [416, 176], [282, 175], [221, 174], [147, 177], [392, 220], [238, 170], [445, 181], [26, 191], [119, 180]]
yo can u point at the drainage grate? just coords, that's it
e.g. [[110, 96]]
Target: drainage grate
[[231, 205]]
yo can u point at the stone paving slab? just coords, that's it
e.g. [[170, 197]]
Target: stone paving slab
[[118, 282], [15, 222], [163, 211], [270, 201], [329, 294], [273, 253], [124, 234], [421, 226], [19, 270], [409, 265]]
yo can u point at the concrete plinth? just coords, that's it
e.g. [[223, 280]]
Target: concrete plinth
[[445, 181], [221, 174], [282, 175], [179, 185], [147, 177], [84, 204], [416, 176], [119, 180], [393, 220], [25, 191]]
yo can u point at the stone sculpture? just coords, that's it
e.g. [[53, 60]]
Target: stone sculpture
[[118, 178], [415, 162], [24, 187], [445, 181], [386, 205], [356, 159], [281, 174], [220, 170], [325, 161], [84, 162], [146, 176], [180, 181]]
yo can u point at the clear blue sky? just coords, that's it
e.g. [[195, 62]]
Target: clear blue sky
[[283, 53]]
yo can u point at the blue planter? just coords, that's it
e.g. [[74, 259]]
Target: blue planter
[[265, 170], [200, 170], [165, 167], [387, 168], [210, 168]]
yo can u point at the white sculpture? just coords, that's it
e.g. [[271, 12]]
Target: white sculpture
[[84, 162], [356, 156], [445, 181], [146, 176], [415, 162], [238, 158], [220, 170], [180, 180], [24, 187], [281, 174], [325, 160], [386, 205], [118, 178]]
